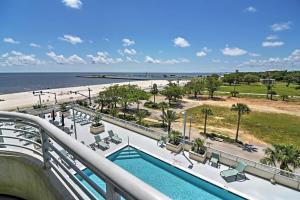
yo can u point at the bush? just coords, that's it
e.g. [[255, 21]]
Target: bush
[[224, 137], [38, 106], [234, 93], [175, 137], [82, 103], [151, 104], [127, 117]]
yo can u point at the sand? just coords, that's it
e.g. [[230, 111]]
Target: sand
[[26, 99]]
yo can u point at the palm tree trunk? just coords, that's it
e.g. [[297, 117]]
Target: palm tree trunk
[[169, 128], [205, 119], [238, 126], [154, 98], [102, 107], [163, 121]]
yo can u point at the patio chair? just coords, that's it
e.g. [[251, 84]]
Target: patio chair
[[239, 169], [215, 158], [162, 141], [114, 137], [101, 143]]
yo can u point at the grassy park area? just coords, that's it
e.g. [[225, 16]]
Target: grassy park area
[[280, 88], [271, 128]]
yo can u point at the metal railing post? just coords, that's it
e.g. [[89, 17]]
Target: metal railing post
[[111, 193], [45, 148]]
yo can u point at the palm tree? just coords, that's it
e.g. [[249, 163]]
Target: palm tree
[[154, 91], [163, 105], [241, 109], [206, 112], [140, 115], [169, 116], [284, 155]]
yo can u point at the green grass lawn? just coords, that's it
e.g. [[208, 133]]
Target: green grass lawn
[[280, 88], [269, 127]]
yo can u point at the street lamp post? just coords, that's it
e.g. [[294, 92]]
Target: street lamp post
[[190, 128], [74, 122], [39, 93], [86, 96], [184, 128]]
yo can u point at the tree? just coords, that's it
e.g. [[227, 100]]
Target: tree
[[112, 93], [138, 95], [141, 114], [154, 91], [230, 78], [102, 100], [169, 117], [241, 109], [114, 112], [206, 112], [195, 86], [163, 105], [284, 97], [284, 155], [172, 92], [250, 78], [212, 84], [289, 79], [125, 93]]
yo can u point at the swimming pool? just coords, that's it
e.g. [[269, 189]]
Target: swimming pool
[[172, 181]]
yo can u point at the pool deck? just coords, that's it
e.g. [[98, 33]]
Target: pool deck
[[253, 187]]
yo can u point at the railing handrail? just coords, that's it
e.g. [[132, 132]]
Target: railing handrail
[[128, 184]]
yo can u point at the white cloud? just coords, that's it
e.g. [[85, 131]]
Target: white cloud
[[35, 45], [250, 9], [10, 40], [272, 37], [272, 44], [60, 59], [235, 51], [181, 42], [253, 54], [19, 59], [76, 4], [293, 60], [129, 59], [71, 39], [130, 52], [104, 58], [151, 60], [281, 26], [204, 52], [127, 42], [201, 54]]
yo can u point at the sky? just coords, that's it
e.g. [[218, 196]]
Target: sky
[[149, 35]]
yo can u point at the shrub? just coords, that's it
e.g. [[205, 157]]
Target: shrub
[[127, 117], [151, 104]]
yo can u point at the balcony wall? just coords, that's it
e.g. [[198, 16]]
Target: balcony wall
[[23, 176]]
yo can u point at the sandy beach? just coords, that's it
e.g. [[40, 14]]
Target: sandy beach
[[27, 99]]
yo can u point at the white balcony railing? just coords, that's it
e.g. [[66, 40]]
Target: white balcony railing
[[119, 183]]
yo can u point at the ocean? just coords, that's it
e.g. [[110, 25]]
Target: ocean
[[20, 82]]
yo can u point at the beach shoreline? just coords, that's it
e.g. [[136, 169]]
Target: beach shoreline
[[20, 100]]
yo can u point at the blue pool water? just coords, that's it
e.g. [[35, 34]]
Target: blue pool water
[[175, 183]]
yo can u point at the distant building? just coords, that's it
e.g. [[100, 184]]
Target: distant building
[[267, 81]]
